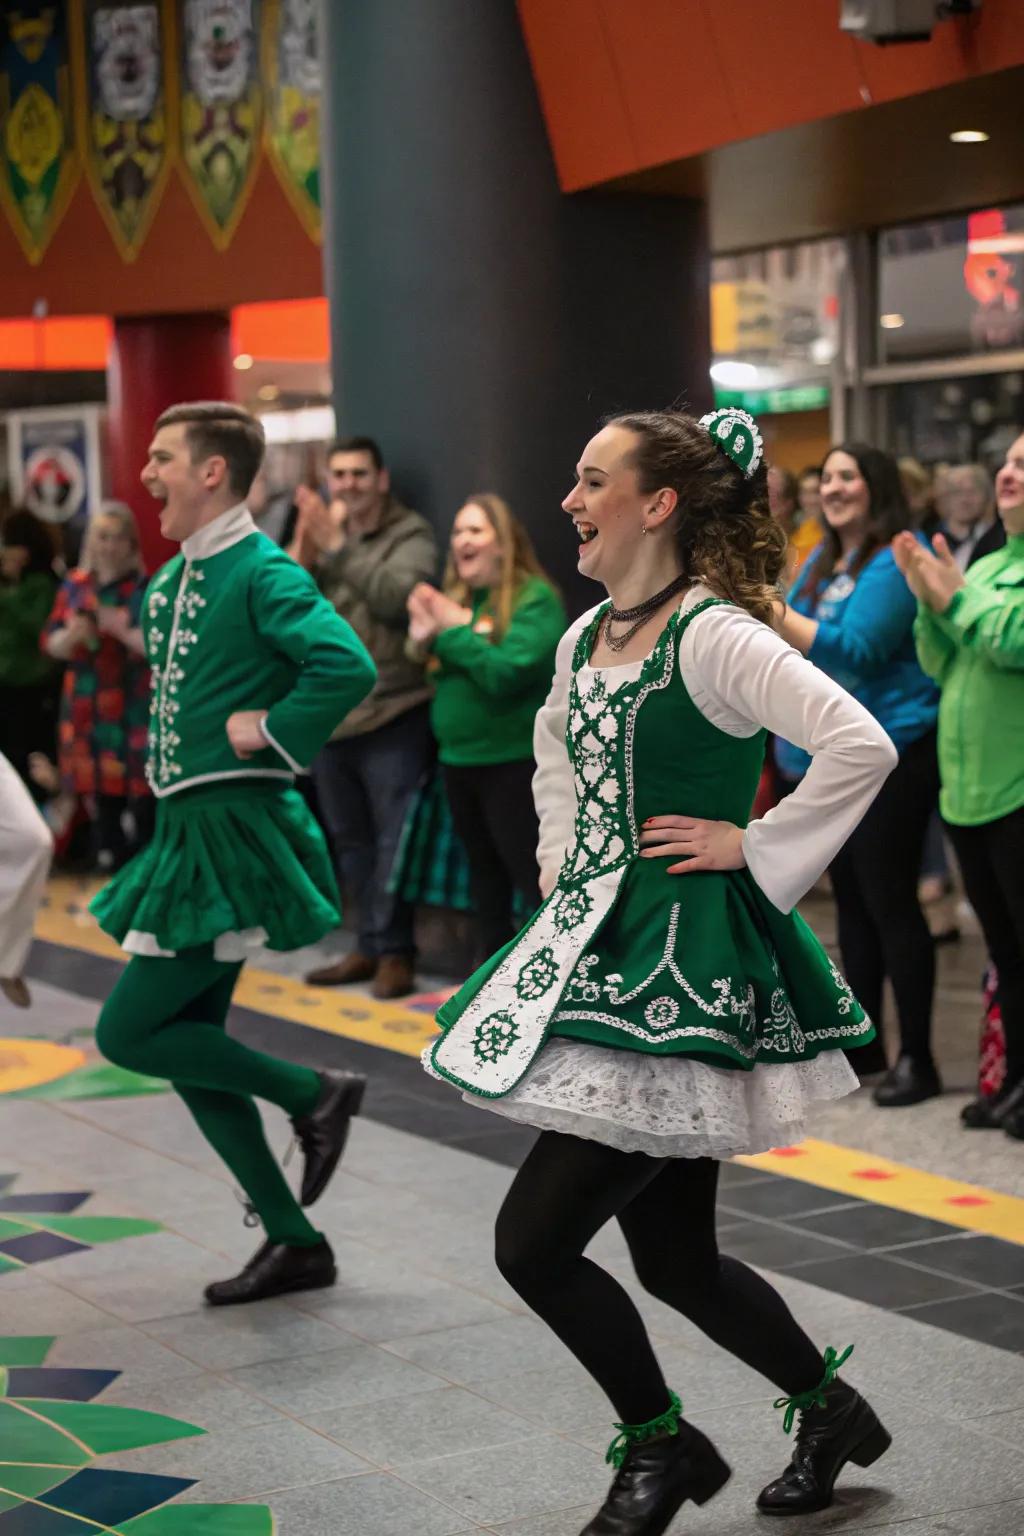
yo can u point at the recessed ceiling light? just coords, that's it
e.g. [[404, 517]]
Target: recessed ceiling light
[[732, 374], [969, 136], [243, 361], [891, 322], [268, 391]]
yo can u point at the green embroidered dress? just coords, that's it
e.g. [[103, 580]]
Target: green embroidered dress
[[232, 623], [686, 1015]]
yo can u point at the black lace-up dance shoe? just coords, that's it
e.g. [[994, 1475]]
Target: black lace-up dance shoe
[[322, 1133], [276, 1269], [659, 1465], [836, 1426]]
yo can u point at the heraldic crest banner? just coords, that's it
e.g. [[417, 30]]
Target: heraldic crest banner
[[291, 69], [221, 109], [40, 163], [125, 112]]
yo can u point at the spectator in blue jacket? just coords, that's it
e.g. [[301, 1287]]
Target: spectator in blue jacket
[[848, 614]]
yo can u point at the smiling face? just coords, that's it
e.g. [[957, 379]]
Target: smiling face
[[476, 549], [607, 505], [111, 547], [353, 478], [845, 497], [1010, 489], [184, 488]]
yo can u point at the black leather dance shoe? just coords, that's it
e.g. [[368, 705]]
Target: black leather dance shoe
[[845, 1429], [276, 1269], [322, 1133], [990, 1111], [656, 1478], [910, 1081]]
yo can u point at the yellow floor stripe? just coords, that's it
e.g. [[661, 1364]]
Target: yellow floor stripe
[[338, 1011], [354, 1016], [878, 1179]]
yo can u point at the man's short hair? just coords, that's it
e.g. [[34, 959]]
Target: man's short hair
[[218, 427], [359, 445]]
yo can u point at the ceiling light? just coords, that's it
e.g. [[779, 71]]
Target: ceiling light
[[243, 362], [268, 391], [734, 375], [969, 136], [891, 322]]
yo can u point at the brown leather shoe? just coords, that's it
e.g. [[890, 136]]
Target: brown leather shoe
[[395, 977], [16, 991], [344, 973]]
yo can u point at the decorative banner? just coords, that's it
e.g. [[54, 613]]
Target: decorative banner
[[221, 109], [122, 58], [54, 464], [39, 165], [291, 70]]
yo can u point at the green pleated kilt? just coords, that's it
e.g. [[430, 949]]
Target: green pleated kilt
[[230, 857]]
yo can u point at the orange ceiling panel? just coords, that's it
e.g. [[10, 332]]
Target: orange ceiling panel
[[628, 85], [580, 90], [78, 343], [292, 331]]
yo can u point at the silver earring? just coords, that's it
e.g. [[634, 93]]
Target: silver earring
[[643, 530]]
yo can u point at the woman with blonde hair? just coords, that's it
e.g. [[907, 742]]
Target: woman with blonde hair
[[492, 634], [104, 717]]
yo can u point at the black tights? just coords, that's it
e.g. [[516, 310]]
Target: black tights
[[565, 1192]]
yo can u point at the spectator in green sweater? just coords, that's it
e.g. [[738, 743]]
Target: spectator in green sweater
[[970, 638], [491, 636], [28, 679]]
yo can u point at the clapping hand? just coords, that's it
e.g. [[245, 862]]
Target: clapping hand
[[701, 844], [112, 621], [431, 612], [931, 574]]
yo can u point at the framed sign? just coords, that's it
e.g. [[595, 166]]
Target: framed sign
[[54, 463]]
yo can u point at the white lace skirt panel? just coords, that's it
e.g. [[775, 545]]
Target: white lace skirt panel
[[670, 1106]]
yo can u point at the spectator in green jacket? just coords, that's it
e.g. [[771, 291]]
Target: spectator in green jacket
[[492, 635], [28, 678], [970, 638]]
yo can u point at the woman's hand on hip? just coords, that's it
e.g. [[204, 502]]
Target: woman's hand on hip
[[701, 844]]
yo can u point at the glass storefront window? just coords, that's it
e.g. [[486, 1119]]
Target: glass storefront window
[[970, 420], [775, 326], [952, 286]]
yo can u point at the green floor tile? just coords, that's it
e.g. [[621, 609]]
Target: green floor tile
[[6, 1264], [10, 1228], [106, 1427], [18, 1483], [99, 1081], [97, 1229], [202, 1520], [24, 1348], [28, 1437]]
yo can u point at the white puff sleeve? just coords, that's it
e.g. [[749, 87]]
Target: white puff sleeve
[[554, 788], [742, 675]]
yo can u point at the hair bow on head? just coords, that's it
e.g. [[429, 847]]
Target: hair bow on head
[[737, 434]]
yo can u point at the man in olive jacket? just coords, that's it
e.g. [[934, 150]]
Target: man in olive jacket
[[367, 552]]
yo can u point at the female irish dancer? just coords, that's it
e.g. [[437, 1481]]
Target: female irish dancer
[[666, 1008]]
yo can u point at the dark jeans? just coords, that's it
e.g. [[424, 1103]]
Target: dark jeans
[[991, 858], [882, 930], [28, 723], [494, 816], [109, 835], [364, 786]]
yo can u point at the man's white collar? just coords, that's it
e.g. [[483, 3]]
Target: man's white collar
[[229, 528]]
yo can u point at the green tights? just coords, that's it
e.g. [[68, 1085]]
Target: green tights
[[166, 1017]]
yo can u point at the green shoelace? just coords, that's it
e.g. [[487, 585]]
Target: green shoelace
[[816, 1396], [633, 1434]]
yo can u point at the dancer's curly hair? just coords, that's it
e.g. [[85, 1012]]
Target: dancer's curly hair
[[725, 534]]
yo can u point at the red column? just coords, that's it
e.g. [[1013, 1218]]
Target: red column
[[157, 361]]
